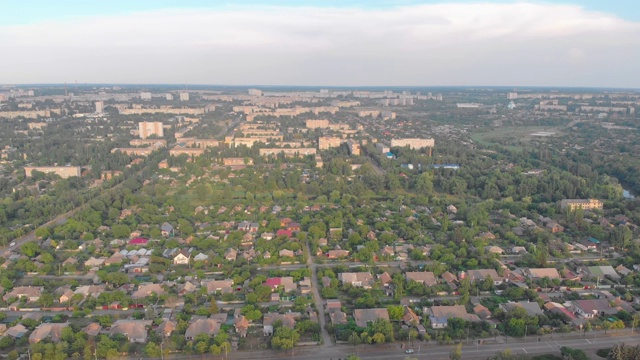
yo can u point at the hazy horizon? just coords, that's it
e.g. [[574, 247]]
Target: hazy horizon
[[411, 43]]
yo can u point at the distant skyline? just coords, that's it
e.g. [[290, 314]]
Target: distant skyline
[[323, 43]]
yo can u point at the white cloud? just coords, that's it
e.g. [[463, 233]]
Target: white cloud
[[445, 44]]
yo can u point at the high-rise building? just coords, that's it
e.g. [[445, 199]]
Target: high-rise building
[[145, 96], [168, 97], [149, 128], [184, 96], [512, 96], [99, 107], [255, 92]]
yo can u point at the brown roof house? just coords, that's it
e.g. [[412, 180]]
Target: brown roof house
[[209, 327], [440, 315], [47, 331], [145, 290], [31, 293], [166, 328], [365, 316], [410, 318], [540, 273], [359, 279], [422, 277], [134, 330], [480, 275], [218, 286], [589, 309], [93, 329], [242, 325], [288, 320]]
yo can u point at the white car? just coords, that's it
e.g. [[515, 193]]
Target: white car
[[409, 351], [12, 244]]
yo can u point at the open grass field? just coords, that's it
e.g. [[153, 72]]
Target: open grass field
[[515, 137]]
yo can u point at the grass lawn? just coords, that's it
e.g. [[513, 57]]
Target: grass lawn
[[513, 137]]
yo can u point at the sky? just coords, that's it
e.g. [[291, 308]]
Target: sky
[[565, 43]]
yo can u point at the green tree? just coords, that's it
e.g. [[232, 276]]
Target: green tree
[[152, 350], [284, 338], [456, 352]]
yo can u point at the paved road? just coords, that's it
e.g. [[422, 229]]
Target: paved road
[[31, 236], [326, 339], [423, 351]]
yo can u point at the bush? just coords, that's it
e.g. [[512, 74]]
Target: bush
[[603, 353]]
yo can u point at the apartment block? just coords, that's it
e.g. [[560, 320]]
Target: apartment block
[[354, 147], [149, 128], [296, 152], [326, 142], [317, 124], [62, 171], [585, 204], [414, 143]]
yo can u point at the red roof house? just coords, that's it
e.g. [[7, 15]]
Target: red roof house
[[138, 241]]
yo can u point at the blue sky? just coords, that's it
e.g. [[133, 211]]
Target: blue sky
[[30, 11], [593, 43]]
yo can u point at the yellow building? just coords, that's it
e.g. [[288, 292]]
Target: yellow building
[[584, 204]]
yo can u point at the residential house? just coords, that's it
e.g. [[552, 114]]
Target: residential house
[[589, 309], [186, 288], [201, 257], [286, 283], [482, 311], [410, 318], [209, 327], [481, 275], [182, 258], [288, 320], [602, 271], [422, 277], [218, 286], [231, 254], [286, 253], [242, 325], [31, 293], [622, 270], [166, 229], [338, 317], [385, 279], [365, 316], [554, 227], [50, 331], [540, 273], [531, 307], [145, 290], [494, 250], [440, 315], [65, 296], [93, 262], [359, 279], [134, 330], [335, 254], [166, 328], [17, 331], [89, 290], [293, 226], [138, 241], [284, 232], [92, 330]]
